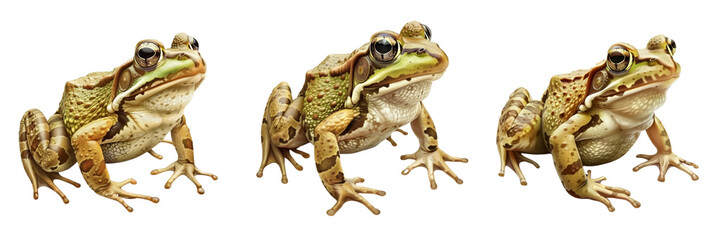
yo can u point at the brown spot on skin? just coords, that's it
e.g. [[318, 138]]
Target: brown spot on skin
[[431, 133], [58, 131], [309, 98], [291, 135], [100, 171], [668, 143], [23, 136], [86, 165], [564, 145], [664, 134], [315, 116], [320, 95], [333, 103], [340, 178], [188, 143], [25, 154], [284, 100], [573, 168], [292, 112], [327, 163], [572, 193], [336, 86], [62, 155]]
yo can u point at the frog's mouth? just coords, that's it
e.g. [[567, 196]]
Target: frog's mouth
[[193, 74], [391, 85], [661, 79]]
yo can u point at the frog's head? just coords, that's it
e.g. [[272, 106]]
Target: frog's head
[[393, 61], [628, 71], [155, 69]]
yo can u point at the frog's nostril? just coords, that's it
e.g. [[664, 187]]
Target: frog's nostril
[[422, 50]]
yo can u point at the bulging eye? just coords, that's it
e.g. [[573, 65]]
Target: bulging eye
[[619, 59], [670, 46], [384, 48], [427, 30], [193, 43], [148, 54]]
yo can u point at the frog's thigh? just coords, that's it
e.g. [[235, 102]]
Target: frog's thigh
[[89, 154], [46, 141], [283, 117], [521, 131], [565, 153], [327, 154]]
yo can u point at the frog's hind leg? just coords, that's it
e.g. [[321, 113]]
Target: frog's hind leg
[[519, 131], [45, 150], [282, 130]]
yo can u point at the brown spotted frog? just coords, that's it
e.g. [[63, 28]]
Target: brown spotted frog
[[591, 117], [115, 116], [352, 102]]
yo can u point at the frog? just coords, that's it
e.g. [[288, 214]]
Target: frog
[[352, 102], [115, 116], [593, 116]]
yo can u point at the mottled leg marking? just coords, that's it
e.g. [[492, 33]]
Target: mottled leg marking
[[327, 162], [185, 164], [282, 131], [391, 139], [519, 131], [570, 167], [664, 157], [89, 154], [45, 150], [428, 154]]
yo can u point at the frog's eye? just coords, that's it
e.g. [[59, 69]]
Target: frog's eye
[[193, 43], [427, 30], [670, 46], [148, 54], [619, 59], [384, 48]]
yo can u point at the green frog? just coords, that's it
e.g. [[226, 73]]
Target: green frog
[[352, 102], [115, 116], [591, 117]]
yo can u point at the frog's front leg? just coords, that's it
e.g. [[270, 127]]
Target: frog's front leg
[[89, 154], [327, 162], [185, 164], [282, 130], [570, 167], [664, 156], [428, 154]]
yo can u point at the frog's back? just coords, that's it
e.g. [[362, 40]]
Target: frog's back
[[326, 88], [562, 98], [85, 99]]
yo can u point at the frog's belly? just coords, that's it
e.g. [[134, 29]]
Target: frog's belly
[[132, 148], [148, 124], [606, 149], [386, 113]]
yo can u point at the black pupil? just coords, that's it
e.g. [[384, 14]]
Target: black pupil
[[195, 44], [146, 52], [383, 46], [616, 57], [428, 31], [673, 44]]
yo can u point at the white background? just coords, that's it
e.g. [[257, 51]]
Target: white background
[[250, 47]]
